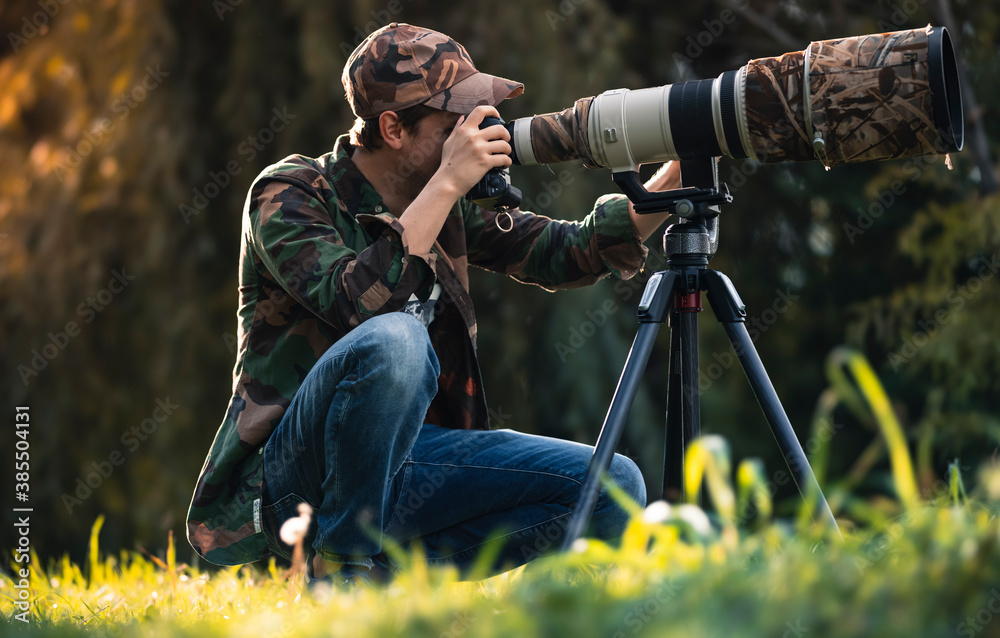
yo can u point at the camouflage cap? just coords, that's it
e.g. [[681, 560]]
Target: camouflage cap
[[401, 65]]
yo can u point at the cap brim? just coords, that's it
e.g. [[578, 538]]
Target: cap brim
[[473, 91]]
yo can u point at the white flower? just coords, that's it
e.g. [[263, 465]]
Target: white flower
[[294, 529], [696, 518], [656, 512]]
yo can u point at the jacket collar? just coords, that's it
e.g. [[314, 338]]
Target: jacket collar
[[352, 186]]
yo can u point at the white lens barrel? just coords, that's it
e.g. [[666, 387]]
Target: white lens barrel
[[676, 121], [521, 139]]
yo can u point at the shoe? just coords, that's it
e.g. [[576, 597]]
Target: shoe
[[347, 578], [382, 570]]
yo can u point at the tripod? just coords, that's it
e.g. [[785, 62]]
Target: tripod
[[676, 292]]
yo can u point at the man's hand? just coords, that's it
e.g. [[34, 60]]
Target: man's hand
[[469, 152], [466, 155]]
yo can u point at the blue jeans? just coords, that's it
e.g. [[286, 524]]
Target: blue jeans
[[354, 446]]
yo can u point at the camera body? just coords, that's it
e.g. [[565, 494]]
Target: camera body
[[494, 191]]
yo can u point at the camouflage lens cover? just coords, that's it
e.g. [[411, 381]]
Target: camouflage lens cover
[[864, 98]]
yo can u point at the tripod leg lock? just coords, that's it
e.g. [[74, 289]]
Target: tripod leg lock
[[655, 302], [722, 296]]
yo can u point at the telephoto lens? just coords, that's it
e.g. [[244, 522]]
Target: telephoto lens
[[849, 100]]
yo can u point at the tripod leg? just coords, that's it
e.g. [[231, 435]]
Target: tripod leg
[[674, 445], [683, 400], [653, 308], [690, 395], [611, 431], [729, 310]]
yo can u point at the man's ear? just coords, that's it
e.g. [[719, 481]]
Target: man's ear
[[391, 129]]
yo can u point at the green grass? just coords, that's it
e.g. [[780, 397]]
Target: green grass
[[914, 561], [923, 574]]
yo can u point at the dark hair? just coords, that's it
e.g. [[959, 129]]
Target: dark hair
[[366, 134]]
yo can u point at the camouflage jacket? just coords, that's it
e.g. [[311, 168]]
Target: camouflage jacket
[[320, 254]]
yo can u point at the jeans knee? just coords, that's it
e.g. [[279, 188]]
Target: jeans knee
[[627, 476], [610, 519], [398, 345]]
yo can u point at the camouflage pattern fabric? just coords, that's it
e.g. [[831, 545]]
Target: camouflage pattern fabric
[[320, 254], [870, 99], [562, 136], [774, 107], [401, 65]]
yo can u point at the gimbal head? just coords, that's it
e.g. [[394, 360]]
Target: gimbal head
[[697, 204]]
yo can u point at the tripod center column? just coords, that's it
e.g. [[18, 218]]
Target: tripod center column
[[688, 301]]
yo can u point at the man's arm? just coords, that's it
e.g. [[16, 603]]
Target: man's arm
[[668, 177], [291, 227], [563, 254], [466, 156], [557, 253]]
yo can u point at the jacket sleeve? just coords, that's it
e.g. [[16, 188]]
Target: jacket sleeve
[[300, 241], [557, 254]]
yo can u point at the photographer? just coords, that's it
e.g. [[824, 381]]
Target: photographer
[[356, 387]]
